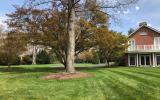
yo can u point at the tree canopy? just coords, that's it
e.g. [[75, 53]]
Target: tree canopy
[[111, 44], [67, 26]]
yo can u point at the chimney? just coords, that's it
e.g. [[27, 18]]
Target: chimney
[[142, 24]]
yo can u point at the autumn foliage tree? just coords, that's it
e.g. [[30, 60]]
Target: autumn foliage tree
[[11, 47], [28, 22], [53, 31], [111, 44], [67, 24]]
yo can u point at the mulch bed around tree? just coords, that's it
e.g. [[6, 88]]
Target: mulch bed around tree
[[61, 76]]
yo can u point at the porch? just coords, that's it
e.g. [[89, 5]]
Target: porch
[[144, 59], [144, 48]]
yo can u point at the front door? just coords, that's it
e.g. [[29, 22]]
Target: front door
[[145, 60]]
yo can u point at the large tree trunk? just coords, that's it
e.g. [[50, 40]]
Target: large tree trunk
[[34, 55], [71, 38]]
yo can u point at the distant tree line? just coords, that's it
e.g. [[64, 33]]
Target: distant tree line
[[13, 45]]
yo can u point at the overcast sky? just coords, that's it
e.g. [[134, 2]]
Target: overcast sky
[[144, 10]]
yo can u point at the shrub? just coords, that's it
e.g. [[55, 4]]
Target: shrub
[[4, 61], [43, 58]]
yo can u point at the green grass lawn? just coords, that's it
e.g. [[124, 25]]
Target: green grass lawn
[[26, 83]]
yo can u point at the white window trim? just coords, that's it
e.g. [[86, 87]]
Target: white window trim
[[129, 58], [155, 40], [143, 33], [145, 60], [133, 41]]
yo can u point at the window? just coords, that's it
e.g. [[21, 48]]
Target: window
[[131, 42], [145, 60], [157, 41], [143, 33], [132, 60]]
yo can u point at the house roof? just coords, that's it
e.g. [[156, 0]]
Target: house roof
[[146, 27]]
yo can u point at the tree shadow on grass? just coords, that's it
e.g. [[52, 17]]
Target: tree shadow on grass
[[27, 69], [45, 69]]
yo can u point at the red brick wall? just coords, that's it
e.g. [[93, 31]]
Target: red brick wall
[[144, 39]]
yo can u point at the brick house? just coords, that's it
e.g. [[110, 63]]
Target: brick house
[[144, 47]]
